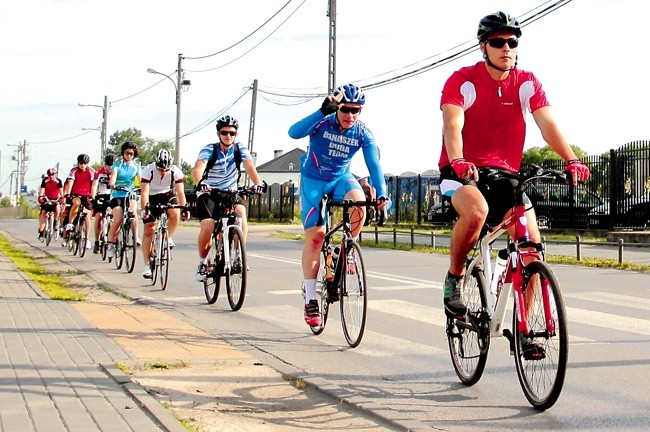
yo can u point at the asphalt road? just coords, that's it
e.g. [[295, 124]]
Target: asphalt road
[[402, 367]]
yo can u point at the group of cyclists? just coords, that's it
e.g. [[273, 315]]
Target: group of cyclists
[[483, 109]]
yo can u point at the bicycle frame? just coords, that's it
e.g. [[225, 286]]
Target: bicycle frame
[[521, 250]]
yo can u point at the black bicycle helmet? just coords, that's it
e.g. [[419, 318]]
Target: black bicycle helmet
[[109, 159], [83, 158], [497, 22], [129, 145], [227, 121], [52, 171], [164, 159]]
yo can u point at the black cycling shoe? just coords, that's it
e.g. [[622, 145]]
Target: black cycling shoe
[[454, 303]]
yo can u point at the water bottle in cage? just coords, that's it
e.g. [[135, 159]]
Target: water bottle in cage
[[329, 276], [499, 269]]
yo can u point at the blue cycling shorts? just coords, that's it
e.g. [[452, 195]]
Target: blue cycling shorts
[[312, 191]]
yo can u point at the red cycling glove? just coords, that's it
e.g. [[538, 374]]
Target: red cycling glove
[[579, 171], [463, 169]]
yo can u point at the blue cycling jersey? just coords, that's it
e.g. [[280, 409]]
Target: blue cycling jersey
[[126, 175], [224, 174], [331, 149]]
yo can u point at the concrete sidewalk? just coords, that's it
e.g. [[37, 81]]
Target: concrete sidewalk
[[58, 371]]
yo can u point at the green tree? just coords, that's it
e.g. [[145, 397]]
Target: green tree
[[539, 155], [147, 147]]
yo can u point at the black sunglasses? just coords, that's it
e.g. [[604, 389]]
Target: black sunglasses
[[500, 42], [231, 133], [349, 110]]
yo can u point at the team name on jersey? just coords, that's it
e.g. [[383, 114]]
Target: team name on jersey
[[339, 144]]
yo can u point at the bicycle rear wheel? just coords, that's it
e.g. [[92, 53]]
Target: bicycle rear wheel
[[542, 379], [103, 239], [469, 338], [237, 275], [322, 296], [213, 272], [163, 262], [83, 237], [353, 294], [130, 245]]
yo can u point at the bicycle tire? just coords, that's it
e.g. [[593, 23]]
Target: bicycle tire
[[164, 260], [467, 348], [119, 249], [212, 281], [130, 246], [83, 237], [237, 275], [353, 293], [76, 238], [154, 257], [542, 380], [103, 238], [48, 229]]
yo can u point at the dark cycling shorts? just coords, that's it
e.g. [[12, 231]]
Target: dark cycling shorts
[[163, 198], [117, 202], [499, 194], [212, 205], [85, 201], [49, 207], [100, 204]]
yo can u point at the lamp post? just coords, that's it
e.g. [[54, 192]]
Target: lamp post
[[104, 123], [178, 85]]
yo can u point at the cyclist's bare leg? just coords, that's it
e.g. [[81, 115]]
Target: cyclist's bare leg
[[133, 211], [173, 219], [147, 240], [472, 210], [357, 214], [98, 225], [205, 237], [118, 215], [240, 211], [76, 203], [41, 221], [314, 237]]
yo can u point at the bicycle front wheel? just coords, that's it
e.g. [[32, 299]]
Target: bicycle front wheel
[[119, 249], [49, 227], [130, 246], [541, 355], [236, 276], [164, 259], [154, 256], [469, 337], [83, 237], [353, 294], [213, 272]]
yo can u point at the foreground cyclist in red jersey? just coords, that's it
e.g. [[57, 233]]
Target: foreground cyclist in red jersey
[[78, 186], [51, 189], [483, 108]]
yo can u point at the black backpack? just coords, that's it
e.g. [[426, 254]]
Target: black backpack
[[215, 155]]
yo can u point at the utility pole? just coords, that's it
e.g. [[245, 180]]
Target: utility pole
[[251, 128], [331, 71], [179, 77], [104, 130]]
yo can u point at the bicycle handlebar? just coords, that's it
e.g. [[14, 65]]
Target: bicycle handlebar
[[165, 207], [533, 172]]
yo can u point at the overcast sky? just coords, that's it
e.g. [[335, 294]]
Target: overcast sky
[[590, 56]]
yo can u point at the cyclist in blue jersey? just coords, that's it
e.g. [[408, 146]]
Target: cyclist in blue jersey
[[124, 173], [335, 135], [222, 175]]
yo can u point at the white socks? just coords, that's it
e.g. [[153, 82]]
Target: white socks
[[309, 288]]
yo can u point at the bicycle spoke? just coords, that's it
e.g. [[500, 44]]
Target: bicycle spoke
[[212, 281], [236, 276], [164, 260]]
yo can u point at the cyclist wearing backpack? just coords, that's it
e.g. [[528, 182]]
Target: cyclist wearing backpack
[[218, 167], [162, 183], [335, 135]]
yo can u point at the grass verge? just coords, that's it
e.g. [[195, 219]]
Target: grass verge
[[53, 285]]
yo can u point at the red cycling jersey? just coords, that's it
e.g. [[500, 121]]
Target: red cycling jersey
[[52, 188], [495, 114], [81, 181]]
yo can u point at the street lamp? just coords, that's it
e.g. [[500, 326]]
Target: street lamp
[[178, 85], [104, 123]]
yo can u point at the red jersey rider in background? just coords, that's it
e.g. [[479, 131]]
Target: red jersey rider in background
[[78, 189], [51, 189]]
